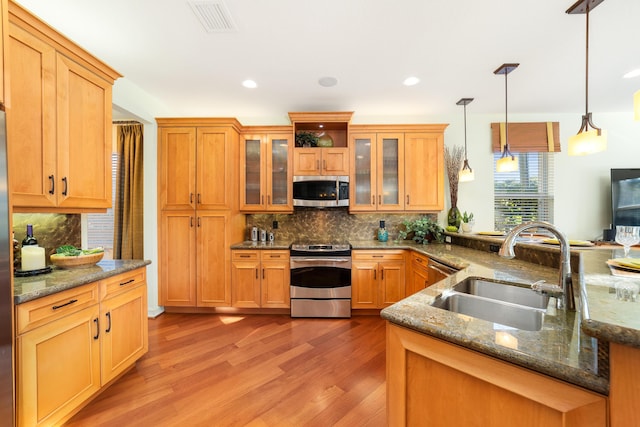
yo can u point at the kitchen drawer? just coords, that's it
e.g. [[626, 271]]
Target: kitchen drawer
[[38, 312], [243, 255], [122, 282], [419, 260], [275, 255], [384, 255]]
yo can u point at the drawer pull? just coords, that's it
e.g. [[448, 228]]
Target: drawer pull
[[97, 322], [108, 324], [419, 260], [274, 256], [55, 307], [127, 282], [245, 256], [377, 256]]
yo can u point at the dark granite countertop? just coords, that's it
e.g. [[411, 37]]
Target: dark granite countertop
[[248, 244], [562, 348], [30, 288]]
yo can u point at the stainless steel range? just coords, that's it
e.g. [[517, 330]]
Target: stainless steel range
[[320, 280]]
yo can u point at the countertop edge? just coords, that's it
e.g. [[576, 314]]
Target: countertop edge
[[60, 280]]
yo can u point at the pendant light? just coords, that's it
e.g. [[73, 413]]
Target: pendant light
[[466, 173], [636, 105], [586, 141], [508, 162]]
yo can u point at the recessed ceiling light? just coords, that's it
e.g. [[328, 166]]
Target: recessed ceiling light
[[250, 84], [632, 73], [411, 81], [327, 81]]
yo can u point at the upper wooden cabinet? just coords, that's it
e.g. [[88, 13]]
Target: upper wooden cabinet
[[59, 105], [397, 168], [196, 164], [332, 161], [265, 169]]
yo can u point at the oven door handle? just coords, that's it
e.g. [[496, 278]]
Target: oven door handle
[[320, 260]]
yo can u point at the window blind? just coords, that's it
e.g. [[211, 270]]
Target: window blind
[[100, 226], [524, 195]]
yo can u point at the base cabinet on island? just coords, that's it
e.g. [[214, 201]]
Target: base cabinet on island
[[435, 383], [73, 343]]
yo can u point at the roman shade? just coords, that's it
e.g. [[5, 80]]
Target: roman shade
[[527, 137]]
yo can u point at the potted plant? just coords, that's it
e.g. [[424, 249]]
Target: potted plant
[[467, 222], [306, 139], [422, 230]]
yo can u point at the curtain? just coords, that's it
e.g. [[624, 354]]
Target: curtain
[[128, 210]]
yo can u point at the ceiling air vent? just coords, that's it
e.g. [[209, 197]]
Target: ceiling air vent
[[213, 15]]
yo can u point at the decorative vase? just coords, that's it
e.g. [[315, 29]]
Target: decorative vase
[[454, 217], [383, 234]]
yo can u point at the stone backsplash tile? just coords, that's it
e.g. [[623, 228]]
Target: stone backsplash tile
[[328, 225], [51, 230]]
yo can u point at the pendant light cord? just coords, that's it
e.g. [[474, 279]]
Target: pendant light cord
[[586, 78]]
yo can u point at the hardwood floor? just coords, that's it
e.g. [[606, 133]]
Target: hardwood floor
[[258, 370]]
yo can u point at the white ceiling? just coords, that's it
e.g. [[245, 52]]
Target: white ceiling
[[370, 46]]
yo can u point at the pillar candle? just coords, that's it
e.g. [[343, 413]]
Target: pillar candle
[[32, 258]]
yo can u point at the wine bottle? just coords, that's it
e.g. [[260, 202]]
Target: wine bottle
[[29, 240]]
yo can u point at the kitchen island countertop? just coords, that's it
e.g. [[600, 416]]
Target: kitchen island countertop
[[566, 347], [29, 288]]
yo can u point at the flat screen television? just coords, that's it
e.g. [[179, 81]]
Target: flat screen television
[[625, 197]]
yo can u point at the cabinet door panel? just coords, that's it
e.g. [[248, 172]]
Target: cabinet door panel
[[178, 259], [424, 172], [390, 184], [213, 257], [245, 276], [31, 120], [124, 331], [364, 284], [177, 161], [275, 284], [306, 161], [419, 278], [392, 283], [213, 183], [362, 190], [252, 177], [59, 367], [83, 137], [335, 161], [279, 183]]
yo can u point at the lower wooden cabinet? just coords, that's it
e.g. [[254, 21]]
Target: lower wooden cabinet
[[72, 343], [260, 278], [435, 383], [377, 278], [418, 273]]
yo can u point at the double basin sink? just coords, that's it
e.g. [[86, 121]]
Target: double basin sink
[[506, 303]]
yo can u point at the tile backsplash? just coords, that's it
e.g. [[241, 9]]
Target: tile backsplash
[[335, 224], [51, 230]]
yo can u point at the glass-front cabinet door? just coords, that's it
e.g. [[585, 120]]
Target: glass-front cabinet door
[[251, 176], [265, 179], [390, 162], [279, 178], [363, 166]]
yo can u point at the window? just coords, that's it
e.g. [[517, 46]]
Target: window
[[100, 226], [525, 195]]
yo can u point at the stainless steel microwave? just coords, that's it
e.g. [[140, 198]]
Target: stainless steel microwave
[[321, 191]]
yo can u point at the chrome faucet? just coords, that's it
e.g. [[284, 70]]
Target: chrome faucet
[[564, 290]]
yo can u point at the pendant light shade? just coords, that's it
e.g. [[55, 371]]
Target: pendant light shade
[[636, 105], [466, 173], [508, 162], [594, 140]]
